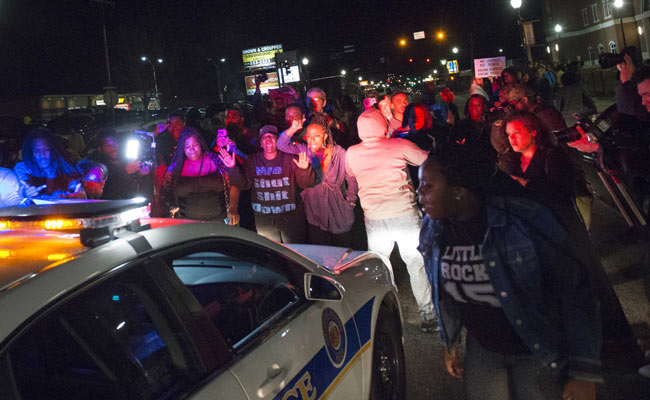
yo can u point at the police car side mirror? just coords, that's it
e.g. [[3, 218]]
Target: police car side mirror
[[319, 287]]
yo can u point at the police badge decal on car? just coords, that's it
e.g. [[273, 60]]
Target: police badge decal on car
[[335, 338]]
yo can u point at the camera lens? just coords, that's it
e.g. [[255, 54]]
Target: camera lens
[[567, 135]]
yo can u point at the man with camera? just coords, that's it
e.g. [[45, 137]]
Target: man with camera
[[628, 90], [244, 137], [632, 96], [125, 179]]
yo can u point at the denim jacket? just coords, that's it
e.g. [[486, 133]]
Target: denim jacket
[[538, 278]]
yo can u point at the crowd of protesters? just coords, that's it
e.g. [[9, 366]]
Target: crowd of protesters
[[502, 250]]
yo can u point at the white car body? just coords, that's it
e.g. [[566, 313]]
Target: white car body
[[299, 352]]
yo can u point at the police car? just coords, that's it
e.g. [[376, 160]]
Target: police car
[[96, 306]]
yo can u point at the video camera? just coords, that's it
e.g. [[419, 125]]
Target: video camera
[[596, 127], [608, 60], [141, 146], [499, 112], [263, 77]]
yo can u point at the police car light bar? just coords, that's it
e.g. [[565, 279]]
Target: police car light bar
[[97, 222]]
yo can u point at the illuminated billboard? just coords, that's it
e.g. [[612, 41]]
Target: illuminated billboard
[[261, 57], [271, 83]]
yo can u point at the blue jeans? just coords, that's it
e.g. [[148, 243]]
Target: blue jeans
[[495, 376], [405, 231]]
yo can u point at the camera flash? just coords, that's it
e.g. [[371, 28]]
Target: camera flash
[[132, 149]]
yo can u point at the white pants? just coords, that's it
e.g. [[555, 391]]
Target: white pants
[[405, 231]]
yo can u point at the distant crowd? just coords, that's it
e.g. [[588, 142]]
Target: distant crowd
[[502, 249]]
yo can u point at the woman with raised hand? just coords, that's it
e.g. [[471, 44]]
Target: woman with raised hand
[[329, 203], [198, 183]]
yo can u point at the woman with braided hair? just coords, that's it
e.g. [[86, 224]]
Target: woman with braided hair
[[329, 203], [198, 183]]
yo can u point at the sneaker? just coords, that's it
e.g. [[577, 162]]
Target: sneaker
[[429, 325], [645, 371]]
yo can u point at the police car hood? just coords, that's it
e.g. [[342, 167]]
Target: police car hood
[[331, 258]]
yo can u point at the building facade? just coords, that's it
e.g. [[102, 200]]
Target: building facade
[[588, 28]]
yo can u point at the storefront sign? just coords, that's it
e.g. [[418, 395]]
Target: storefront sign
[[261, 57]]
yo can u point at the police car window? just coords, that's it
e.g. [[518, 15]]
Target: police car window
[[242, 289], [115, 340]]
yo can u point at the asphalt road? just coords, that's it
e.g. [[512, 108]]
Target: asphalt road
[[621, 256]]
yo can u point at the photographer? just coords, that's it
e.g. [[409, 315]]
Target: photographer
[[125, 179], [632, 100], [629, 99]]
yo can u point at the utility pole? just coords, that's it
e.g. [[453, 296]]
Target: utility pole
[[107, 6]]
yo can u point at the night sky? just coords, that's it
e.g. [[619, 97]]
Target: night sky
[[51, 47]]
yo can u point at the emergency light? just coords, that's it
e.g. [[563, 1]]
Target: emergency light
[[97, 222]]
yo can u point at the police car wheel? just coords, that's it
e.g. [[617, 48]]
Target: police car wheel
[[388, 369]]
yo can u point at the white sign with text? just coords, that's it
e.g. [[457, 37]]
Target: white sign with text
[[487, 67]]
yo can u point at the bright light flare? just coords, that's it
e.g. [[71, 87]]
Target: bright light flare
[[132, 149]]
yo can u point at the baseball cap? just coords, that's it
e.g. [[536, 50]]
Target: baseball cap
[[268, 129]]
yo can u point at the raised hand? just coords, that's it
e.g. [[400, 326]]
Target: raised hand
[[227, 158], [303, 161]]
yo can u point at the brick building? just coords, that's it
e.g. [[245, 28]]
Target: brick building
[[591, 27]]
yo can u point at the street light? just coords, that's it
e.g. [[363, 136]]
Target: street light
[[360, 78], [402, 42], [343, 72], [216, 67], [454, 50], [153, 67], [440, 35], [619, 4], [515, 3], [305, 61], [558, 28]]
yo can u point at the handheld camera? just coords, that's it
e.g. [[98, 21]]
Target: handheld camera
[[141, 146]]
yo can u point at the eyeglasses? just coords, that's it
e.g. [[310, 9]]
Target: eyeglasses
[[515, 102]]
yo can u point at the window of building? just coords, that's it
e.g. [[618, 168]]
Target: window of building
[[646, 5], [585, 17], [612, 47], [601, 48], [594, 12], [607, 13], [592, 55]]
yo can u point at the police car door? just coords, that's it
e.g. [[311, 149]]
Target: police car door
[[284, 346]]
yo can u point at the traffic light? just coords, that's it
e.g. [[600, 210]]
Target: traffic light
[[428, 59]]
